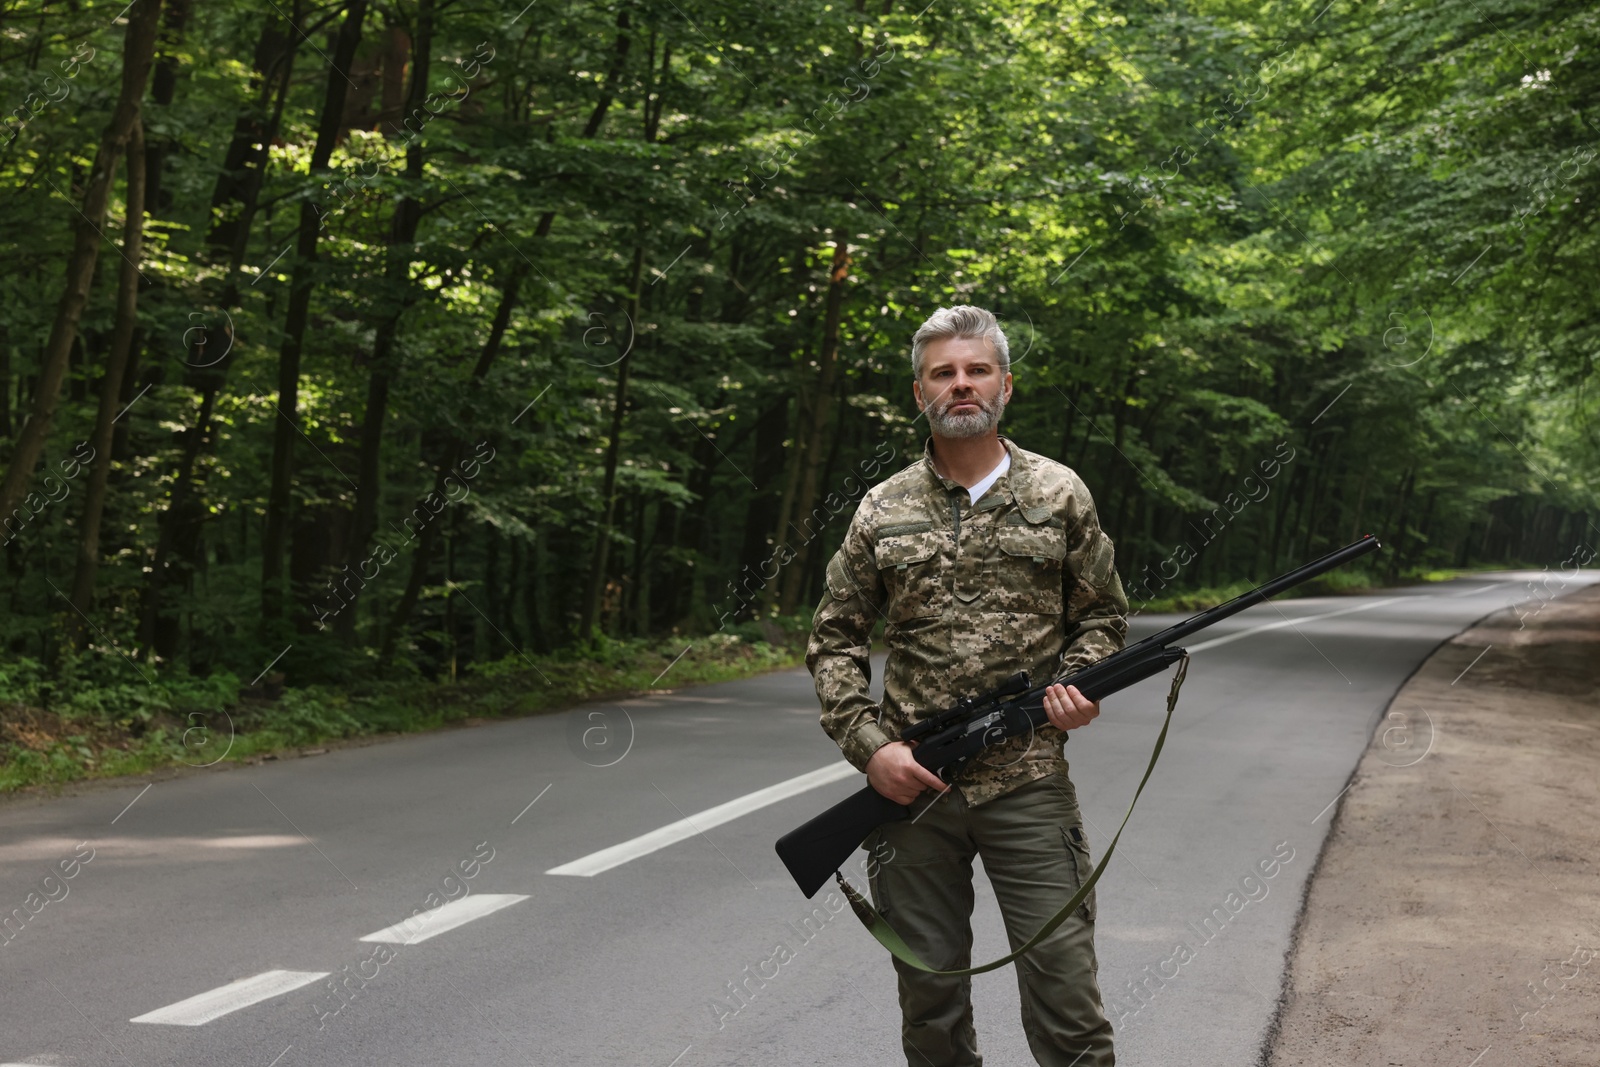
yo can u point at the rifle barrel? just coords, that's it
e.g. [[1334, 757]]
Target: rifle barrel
[[1264, 592], [1143, 658]]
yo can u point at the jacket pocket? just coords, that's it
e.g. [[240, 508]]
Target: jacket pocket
[[1030, 566], [912, 567], [838, 579]]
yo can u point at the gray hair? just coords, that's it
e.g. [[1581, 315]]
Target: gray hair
[[962, 320]]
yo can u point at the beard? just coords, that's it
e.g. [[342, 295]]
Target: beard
[[966, 424]]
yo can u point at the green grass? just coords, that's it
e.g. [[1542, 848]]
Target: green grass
[[56, 729]]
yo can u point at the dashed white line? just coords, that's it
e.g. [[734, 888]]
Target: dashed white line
[[670, 834], [444, 918], [214, 1004]]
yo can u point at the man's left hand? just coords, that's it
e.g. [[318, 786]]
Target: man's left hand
[[1067, 708]]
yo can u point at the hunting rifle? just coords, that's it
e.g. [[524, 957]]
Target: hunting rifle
[[946, 742]]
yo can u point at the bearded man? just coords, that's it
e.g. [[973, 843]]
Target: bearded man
[[983, 559]]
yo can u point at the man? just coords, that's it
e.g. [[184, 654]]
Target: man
[[983, 559]]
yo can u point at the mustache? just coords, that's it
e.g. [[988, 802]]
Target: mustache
[[944, 406]]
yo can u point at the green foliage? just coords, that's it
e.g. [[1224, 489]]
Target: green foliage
[[115, 729], [1219, 234]]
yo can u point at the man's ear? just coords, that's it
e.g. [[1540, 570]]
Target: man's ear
[[916, 392]]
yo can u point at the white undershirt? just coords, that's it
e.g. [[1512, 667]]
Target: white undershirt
[[990, 478]]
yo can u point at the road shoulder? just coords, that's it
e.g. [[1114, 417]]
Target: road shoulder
[[1453, 917]]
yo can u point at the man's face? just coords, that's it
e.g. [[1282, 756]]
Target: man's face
[[961, 387]]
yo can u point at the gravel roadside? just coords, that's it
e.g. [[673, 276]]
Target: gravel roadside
[[1453, 918]]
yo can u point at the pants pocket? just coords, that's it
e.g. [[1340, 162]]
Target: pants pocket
[[876, 846], [1078, 848]]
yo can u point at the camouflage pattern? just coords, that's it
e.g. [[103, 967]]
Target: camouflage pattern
[[970, 593]]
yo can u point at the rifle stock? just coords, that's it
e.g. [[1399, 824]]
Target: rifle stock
[[946, 742], [823, 844]]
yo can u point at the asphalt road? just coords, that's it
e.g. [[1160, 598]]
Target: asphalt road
[[213, 878]]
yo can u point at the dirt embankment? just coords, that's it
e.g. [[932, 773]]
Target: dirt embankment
[[1454, 917]]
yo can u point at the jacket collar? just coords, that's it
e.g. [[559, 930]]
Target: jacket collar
[[1017, 483]]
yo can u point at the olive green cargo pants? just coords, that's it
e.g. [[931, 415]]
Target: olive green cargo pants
[[1036, 855]]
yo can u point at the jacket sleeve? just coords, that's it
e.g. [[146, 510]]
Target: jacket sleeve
[[841, 642], [1096, 607]]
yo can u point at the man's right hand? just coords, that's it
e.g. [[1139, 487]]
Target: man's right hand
[[895, 773]]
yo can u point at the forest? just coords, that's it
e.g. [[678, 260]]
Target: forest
[[355, 353]]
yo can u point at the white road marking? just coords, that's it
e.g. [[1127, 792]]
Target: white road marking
[[670, 834], [445, 918], [1281, 623], [203, 1007], [1482, 588]]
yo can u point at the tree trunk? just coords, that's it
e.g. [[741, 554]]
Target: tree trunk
[[274, 540], [493, 589], [1361, 501], [423, 552], [1280, 518], [1321, 464], [794, 458], [758, 555], [827, 374], [691, 532], [254, 130], [210, 342], [5, 383], [667, 598], [1071, 423], [1402, 536], [180, 513], [94, 493], [608, 495], [408, 599], [163, 87], [399, 295], [138, 51], [533, 600]]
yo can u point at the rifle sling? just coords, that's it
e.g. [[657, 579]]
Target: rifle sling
[[880, 929]]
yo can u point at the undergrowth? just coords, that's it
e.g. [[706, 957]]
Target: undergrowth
[[92, 717]]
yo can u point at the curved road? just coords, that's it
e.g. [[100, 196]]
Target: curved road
[[681, 949]]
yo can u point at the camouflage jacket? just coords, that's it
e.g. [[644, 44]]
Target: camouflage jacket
[[970, 593]]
